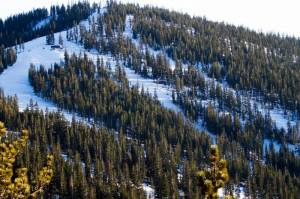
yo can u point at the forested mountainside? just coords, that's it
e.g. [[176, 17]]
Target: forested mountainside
[[17, 29], [225, 85], [199, 96], [246, 60], [39, 22], [79, 83]]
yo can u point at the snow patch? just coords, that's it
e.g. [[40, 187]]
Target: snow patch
[[42, 23], [149, 191]]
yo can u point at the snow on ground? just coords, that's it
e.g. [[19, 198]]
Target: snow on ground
[[163, 92], [128, 33], [128, 26], [150, 193], [42, 23], [201, 127], [280, 119], [239, 193], [221, 193], [267, 143], [276, 114], [65, 156], [14, 80]]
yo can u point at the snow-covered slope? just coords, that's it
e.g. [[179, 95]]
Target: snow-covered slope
[[14, 80], [278, 115]]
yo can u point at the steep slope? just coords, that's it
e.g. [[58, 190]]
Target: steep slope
[[14, 81]]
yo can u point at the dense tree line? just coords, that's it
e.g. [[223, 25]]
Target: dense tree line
[[20, 28], [15, 28], [267, 63], [79, 84], [227, 108], [88, 161], [94, 91], [7, 58], [237, 107], [134, 139]]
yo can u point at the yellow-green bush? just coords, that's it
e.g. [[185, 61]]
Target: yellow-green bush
[[19, 187], [214, 177]]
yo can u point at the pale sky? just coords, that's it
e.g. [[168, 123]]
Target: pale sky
[[281, 16]]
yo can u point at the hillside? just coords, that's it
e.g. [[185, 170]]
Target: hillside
[[141, 94]]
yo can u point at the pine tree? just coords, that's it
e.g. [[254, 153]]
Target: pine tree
[[50, 40], [215, 177], [60, 40]]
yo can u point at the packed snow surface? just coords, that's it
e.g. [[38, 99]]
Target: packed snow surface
[[14, 80]]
